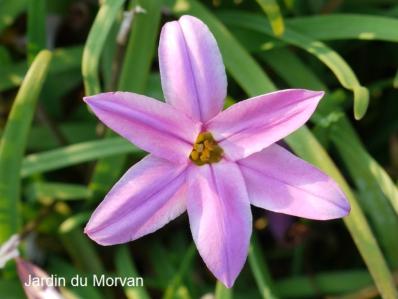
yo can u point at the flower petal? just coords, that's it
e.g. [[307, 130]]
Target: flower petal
[[220, 217], [150, 124], [278, 181], [191, 68], [251, 125], [148, 196], [29, 273]]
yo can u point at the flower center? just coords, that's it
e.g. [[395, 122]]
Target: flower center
[[206, 150]]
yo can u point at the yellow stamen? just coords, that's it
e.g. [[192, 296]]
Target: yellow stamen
[[199, 147], [206, 150], [194, 155]]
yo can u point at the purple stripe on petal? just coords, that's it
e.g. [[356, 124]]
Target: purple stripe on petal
[[220, 217], [278, 181], [191, 67], [154, 126], [251, 125], [148, 196]]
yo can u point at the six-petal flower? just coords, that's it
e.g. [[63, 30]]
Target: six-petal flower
[[212, 163]]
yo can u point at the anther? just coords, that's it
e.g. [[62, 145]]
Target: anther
[[206, 150]]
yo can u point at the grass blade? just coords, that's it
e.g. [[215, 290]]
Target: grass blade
[[95, 43], [14, 141], [126, 268], [371, 181], [177, 279], [323, 283], [64, 59], [60, 191], [73, 222], [36, 28], [222, 292], [395, 82], [273, 12], [346, 26], [64, 269], [82, 251], [141, 47], [260, 270], [75, 154]]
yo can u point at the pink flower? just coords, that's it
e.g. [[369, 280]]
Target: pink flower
[[36, 282], [212, 163]]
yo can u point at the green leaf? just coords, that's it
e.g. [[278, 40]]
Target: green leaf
[[36, 28], [14, 141], [125, 268], [64, 269], [306, 146], [222, 292], [141, 47], [64, 59], [283, 63], [110, 57], [323, 284], [395, 82], [41, 138], [260, 270], [60, 191], [273, 12], [73, 222], [330, 58], [346, 26], [161, 262], [95, 42], [11, 289], [82, 251], [373, 183], [177, 280], [75, 154], [5, 57]]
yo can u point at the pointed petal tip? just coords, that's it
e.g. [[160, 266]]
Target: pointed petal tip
[[87, 100], [346, 207], [196, 83], [90, 100], [221, 203], [189, 17], [306, 93], [228, 283], [98, 97], [93, 236], [342, 209], [342, 204], [86, 230], [319, 94], [91, 233], [316, 94]]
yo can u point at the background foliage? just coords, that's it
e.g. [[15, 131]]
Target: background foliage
[[57, 162]]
